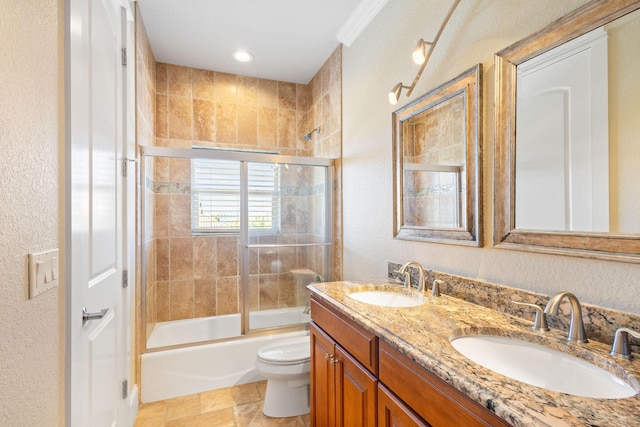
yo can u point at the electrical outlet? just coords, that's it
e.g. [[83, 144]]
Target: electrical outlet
[[43, 272]]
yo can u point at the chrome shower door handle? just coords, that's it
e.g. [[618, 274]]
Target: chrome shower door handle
[[86, 316]]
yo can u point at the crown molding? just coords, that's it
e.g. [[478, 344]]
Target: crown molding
[[358, 20]]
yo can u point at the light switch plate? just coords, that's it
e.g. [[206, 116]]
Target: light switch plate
[[43, 272]]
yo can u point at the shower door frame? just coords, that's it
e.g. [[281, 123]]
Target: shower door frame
[[243, 157]]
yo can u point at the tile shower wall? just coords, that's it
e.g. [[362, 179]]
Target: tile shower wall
[[208, 108], [198, 276], [325, 112]]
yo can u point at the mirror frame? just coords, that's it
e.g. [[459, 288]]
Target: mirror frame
[[469, 84], [620, 247]]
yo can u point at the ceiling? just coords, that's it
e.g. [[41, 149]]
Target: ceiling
[[289, 39]]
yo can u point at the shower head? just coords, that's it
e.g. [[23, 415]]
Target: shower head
[[308, 135]]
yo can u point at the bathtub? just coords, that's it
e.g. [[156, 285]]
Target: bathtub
[[188, 370]]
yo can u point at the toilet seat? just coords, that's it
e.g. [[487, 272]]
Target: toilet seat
[[289, 351]]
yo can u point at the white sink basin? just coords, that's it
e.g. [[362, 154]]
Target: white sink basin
[[386, 299], [542, 367]]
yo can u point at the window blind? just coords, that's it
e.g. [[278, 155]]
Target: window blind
[[216, 196]]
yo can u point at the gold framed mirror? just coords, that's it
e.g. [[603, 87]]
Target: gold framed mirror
[[436, 163], [593, 200]]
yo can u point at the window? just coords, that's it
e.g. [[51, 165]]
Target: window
[[216, 196]]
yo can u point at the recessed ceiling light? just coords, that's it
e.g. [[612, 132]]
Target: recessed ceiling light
[[242, 56]]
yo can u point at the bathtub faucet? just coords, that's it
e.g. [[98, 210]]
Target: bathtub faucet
[[307, 309]]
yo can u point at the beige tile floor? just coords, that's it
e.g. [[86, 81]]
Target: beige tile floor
[[237, 406]]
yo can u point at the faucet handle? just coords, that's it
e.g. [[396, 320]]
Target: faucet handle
[[620, 345], [540, 321], [407, 278], [435, 289]]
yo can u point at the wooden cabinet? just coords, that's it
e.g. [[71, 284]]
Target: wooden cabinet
[[343, 392], [344, 363], [358, 381], [323, 407]]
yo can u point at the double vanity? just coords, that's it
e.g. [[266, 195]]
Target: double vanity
[[386, 355]]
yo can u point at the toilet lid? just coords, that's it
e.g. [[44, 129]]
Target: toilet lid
[[286, 351]]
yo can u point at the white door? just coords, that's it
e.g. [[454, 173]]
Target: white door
[[96, 349], [562, 162]]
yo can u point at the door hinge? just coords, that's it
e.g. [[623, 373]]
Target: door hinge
[[124, 56], [125, 278], [125, 389]]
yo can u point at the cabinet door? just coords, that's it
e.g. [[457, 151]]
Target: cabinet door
[[392, 412], [355, 392], [323, 410]]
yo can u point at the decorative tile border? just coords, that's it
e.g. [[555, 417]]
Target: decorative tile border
[[161, 187]]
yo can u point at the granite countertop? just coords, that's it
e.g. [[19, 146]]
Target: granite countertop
[[423, 334]]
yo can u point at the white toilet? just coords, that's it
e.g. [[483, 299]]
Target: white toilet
[[285, 364]]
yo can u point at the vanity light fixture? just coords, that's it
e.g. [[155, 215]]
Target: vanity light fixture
[[242, 56], [394, 95], [421, 56]]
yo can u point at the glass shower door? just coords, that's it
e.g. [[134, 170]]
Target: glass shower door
[[229, 241], [288, 241]]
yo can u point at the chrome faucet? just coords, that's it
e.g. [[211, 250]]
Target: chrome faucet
[[576, 325], [407, 278], [307, 310], [620, 345]]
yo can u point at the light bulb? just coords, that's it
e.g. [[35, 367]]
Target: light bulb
[[394, 95], [419, 53]]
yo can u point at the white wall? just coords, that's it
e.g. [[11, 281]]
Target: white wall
[[31, 356], [380, 58]]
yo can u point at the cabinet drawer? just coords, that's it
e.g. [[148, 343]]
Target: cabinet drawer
[[393, 412], [360, 343], [430, 397]]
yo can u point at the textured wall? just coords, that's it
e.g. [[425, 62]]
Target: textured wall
[[31, 352], [380, 58]]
